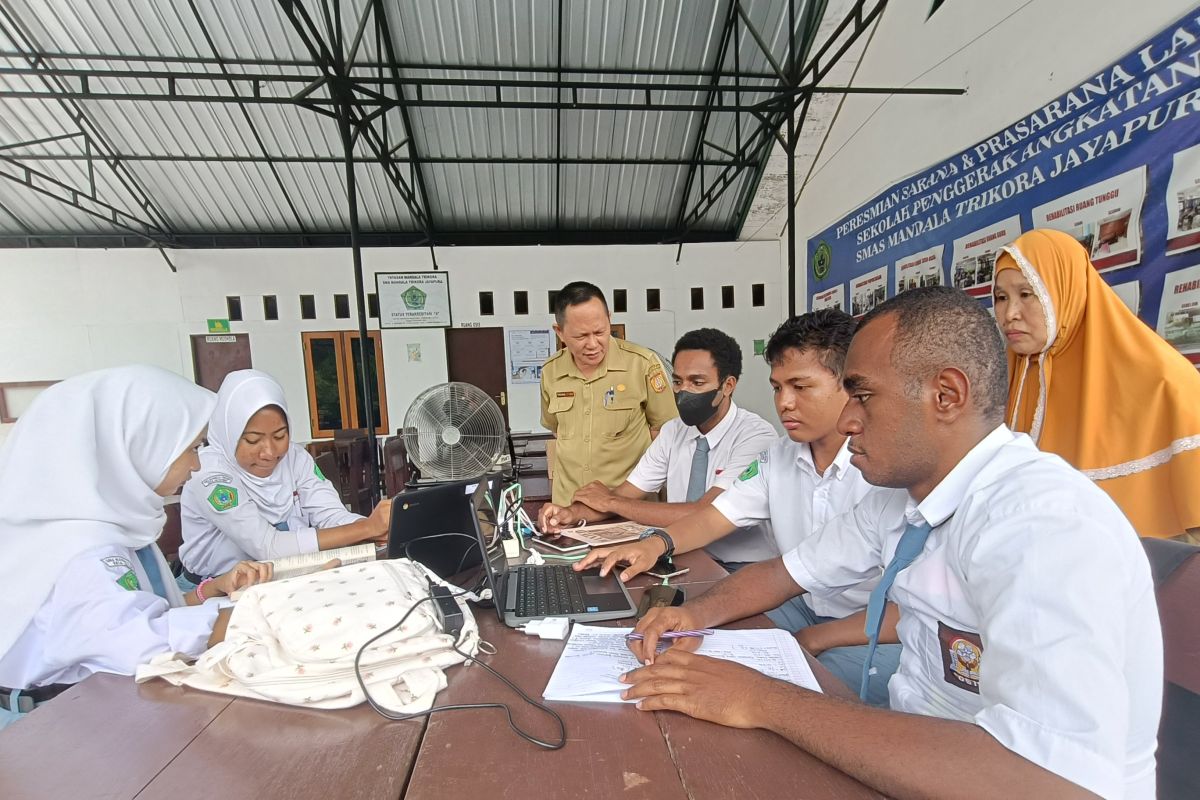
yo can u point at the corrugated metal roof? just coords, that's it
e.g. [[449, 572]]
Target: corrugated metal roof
[[253, 167]]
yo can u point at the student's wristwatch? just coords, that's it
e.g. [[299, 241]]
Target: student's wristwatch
[[660, 533]]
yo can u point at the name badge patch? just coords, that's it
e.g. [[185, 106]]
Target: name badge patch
[[962, 652]]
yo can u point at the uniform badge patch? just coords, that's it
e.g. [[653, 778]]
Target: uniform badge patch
[[317, 471], [564, 394], [749, 472], [658, 382], [222, 497], [129, 581], [218, 477], [962, 652]]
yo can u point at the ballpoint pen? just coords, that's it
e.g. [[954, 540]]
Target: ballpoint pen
[[635, 637]]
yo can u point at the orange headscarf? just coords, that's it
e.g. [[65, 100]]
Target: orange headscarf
[[1107, 393]]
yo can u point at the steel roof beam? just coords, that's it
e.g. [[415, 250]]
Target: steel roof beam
[[727, 33], [11, 169], [94, 141], [49, 55]]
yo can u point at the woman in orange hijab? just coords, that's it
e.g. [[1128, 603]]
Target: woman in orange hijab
[[1091, 382]]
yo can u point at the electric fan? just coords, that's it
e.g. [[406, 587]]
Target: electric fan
[[454, 431]]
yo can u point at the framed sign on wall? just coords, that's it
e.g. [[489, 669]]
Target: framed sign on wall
[[413, 299]]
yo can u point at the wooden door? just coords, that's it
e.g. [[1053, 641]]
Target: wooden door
[[331, 370], [216, 355], [476, 356]]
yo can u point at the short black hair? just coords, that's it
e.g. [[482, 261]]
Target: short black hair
[[726, 353], [939, 327], [573, 294], [827, 332]]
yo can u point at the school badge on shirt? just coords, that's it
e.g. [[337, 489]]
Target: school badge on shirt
[[962, 652], [222, 497], [123, 570]]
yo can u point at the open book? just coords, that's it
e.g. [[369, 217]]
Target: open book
[[294, 566], [305, 563], [607, 534]]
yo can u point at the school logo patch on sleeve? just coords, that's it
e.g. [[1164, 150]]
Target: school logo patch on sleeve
[[129, 581], [222, 497], [658, 382], [320, 475], [962, 652], [749, 472]]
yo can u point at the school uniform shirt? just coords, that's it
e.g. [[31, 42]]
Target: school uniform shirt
[[1030, 612], [602, 423], [102, 616], [783, 486], [223, 524], [733, 444]]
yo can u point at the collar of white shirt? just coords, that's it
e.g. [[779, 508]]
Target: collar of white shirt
[[948, 495], [718, 433], [840, 462]]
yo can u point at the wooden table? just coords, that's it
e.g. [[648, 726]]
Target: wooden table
[[110, 738]]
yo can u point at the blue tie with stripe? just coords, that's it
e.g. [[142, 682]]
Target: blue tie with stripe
[[910, 546], [150, 564]]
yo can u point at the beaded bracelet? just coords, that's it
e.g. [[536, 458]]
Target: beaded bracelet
[[200, 589]]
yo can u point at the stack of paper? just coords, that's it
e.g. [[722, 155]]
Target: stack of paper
[[595, 658]]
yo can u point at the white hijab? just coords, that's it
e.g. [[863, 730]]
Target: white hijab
[[79, 471], [242, 395]]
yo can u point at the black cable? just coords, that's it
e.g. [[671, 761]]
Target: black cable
[[384, 712]]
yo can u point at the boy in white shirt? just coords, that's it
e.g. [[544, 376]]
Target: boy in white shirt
[[697, 456], [1032, 661], [802, 480]]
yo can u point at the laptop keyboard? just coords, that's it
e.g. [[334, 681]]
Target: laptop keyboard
[[549, 590]]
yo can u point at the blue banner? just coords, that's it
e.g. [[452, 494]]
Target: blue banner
[[1115, 162]]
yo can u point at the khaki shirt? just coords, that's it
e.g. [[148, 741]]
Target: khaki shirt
[[603, 423]]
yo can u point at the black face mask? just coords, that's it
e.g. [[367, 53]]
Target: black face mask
[[696, 408]]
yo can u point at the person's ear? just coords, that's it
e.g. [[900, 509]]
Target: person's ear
[[952, 394]]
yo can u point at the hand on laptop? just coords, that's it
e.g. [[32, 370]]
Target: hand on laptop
[[657, 622], [638, 556]]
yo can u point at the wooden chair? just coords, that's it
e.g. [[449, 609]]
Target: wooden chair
[[171, 538], [352, 448], [397, 471]]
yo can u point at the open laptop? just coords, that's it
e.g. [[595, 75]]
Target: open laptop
[[528, 592], [438, 509]]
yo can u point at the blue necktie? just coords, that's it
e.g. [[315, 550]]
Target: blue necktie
[[150, 564], [910, 546], [698, 478]]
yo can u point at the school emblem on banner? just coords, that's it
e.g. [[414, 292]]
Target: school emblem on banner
[[822, 260], [223, 498], [962, 653]]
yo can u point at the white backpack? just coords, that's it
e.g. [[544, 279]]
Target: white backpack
[[294, 641]]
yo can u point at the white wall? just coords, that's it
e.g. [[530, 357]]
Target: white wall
[[63, 312], [1010, 55]]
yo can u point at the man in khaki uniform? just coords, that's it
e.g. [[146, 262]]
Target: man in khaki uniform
[[600, 396]]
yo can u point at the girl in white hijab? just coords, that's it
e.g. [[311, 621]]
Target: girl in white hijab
[[82, 481], [258, 495]]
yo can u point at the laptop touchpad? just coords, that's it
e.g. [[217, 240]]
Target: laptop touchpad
[[603, 594]]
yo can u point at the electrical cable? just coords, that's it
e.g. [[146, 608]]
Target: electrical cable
[[387, 713]]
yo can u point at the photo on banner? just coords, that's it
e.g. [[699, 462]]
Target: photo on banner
[[921, 269], [1106, 218], [830, 298], [1179, 313], [1183, 202], [974, 256], [868, 291]]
